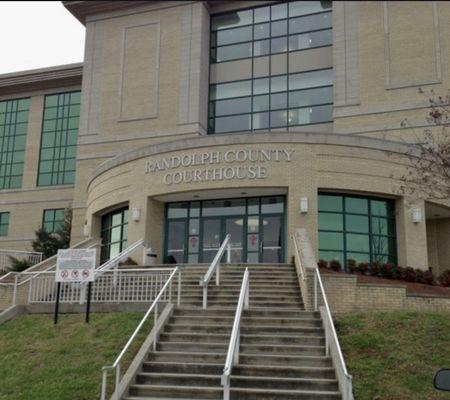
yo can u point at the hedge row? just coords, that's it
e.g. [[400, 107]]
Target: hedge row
[[389, 271]]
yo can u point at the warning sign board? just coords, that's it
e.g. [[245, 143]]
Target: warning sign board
[[75, 265]]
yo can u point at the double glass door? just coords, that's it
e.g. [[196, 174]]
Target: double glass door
[[195, 230]]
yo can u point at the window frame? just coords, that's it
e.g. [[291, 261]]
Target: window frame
[[3, 215], [106, 229], [392, 253], [53, 220]]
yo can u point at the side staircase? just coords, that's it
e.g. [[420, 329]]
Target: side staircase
[[282, 346]]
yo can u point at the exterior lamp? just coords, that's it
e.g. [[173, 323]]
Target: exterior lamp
[[136, 214], [86, 230], [303, 205], [416, 215]]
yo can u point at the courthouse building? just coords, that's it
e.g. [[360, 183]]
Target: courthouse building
[[189, 120]]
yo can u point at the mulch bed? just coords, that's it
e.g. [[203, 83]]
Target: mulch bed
[[412, 288]]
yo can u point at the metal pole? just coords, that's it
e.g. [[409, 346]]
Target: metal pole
[[155, 325], [179, 288], [116, 391], [218, 275], [14, 298], [88, 304], [103, 392], [205, 296], [315, 291], [228, 253], [58, 293]]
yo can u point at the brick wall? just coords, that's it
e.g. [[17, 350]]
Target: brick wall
[[345, 294]]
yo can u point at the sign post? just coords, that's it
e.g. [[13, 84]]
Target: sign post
[[75, 266]]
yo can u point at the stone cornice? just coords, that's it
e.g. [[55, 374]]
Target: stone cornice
[[81, 9], [43, 78], [390, 147]]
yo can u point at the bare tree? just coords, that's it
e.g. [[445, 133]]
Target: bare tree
[[428, 172]]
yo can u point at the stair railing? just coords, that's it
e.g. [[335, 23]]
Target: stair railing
[[233, 347], [299, 264], [331, 340], [152, 309], [215, 268]]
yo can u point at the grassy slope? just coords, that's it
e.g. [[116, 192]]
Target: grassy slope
[[41, 361], [393, 356]]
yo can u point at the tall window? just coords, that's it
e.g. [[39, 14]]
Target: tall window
[[53, 220], [4, 223], [114, 233], [358, 228], [277, 95], [59, 139], [13, 134]]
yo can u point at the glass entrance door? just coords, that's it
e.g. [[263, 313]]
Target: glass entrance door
[[195, 230], [214, 231]]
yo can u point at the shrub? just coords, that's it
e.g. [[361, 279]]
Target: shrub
[[399, 272], [18, 265], [363, 268], [335, 265], [409, 274], [444, 279], [351, 266], [428, 278], [375, 268], [388, 271], [322, 264]]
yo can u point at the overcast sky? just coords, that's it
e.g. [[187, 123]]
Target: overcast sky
[[38, 34]]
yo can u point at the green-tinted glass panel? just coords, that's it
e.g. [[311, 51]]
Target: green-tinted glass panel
[[357, 223], [357, 242], [383, 244], [356, 205], [383, 226], [331, 241], [330, 203], [381, 208], [59, 138], [331, 222], [177, 210], [114, 233], [13, 131], [359, 257]]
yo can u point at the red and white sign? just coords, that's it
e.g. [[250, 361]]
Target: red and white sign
[[75, 265]]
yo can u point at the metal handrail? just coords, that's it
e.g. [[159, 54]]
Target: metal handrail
[[153, 307], [331, 335], [113, 262], [215, 267], [300, 267], [233, 348]]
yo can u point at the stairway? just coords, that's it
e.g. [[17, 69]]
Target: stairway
[[282, 353]]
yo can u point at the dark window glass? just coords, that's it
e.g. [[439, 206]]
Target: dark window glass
[[310, 23], [237, 35], [13, 131], [279, 45], [114, 233], [233, 89], [297, 8], [310, 79], [302, 98], [311, 115], [261, 31], [260, 103], [233, 106], [348, 221], [270, 205], [177, 210], [261, 120], [59, 138], [233, 52], [261, 48], [262, 14], [223, 207], [53, 219], [279, 28], [310, 40], [4, 223], [235, 123]]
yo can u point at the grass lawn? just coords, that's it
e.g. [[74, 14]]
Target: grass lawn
[[394, 355], [41, 361]]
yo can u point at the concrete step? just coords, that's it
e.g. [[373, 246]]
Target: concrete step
[[270, 394], [236, 289], [281, 330], [277, 349], [178, 379], [173, 391], [187, 357], [251, 312], [283, 340], [285, 360], [285, 371], [255, 304], [182, 367], [270, 382], [194, 347]]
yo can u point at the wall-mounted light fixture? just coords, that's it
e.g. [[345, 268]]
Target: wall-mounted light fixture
[[135, 214], [303, 205], [416, 215], [86, 230]]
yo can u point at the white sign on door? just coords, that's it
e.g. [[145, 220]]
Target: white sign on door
[[76, 265]]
